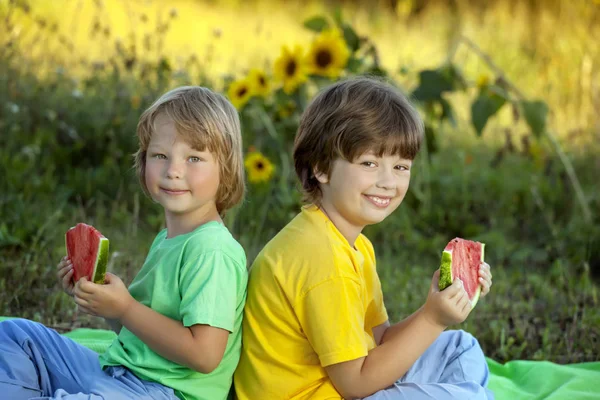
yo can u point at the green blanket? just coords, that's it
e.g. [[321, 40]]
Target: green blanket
[[515, 380], [528, 380]]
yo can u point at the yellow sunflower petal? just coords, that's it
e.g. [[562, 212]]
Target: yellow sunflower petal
[[259, 81], [259, 168], [328, 54], [289, 68], [239, 93]]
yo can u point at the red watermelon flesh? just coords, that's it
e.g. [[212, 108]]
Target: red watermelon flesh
[[461, 259], [87, 249]]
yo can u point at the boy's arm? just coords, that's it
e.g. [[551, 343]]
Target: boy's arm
[[384, 332], [199, 347], [387, 362], [403, 344]]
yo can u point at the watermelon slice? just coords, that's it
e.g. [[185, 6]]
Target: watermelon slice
[[461, 259], [87, 249]]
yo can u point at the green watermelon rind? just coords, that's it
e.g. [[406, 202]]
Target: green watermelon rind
[[101, 262], [445, 270], [446, 277]]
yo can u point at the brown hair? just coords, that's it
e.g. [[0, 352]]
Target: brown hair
[[348, 119], [207, 121]]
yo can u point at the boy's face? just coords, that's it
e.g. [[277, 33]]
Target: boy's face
[[182, 179], [365, 191]]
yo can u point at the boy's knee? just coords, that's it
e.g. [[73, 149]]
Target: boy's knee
[[18, 326], [21, 323], [463, 339], [466, 336], [9, 325]]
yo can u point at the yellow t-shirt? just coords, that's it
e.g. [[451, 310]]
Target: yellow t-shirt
[[313, 301]]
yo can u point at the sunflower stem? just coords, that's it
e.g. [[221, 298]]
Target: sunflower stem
[[268, 124]]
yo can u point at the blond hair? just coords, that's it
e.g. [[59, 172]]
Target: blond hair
[[206, 121], [348, 119]]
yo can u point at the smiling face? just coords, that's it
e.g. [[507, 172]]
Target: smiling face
[[182, 179], [363, 192]]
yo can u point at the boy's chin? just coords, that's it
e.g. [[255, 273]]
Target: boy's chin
[[375, 218]]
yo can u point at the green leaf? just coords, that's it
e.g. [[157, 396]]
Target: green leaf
[[351, 38], [431, 139], [536, 113], [316, 24], [432, 83], [354, 64], [431, 86], [453, 74], [485, 106], [448, 111]]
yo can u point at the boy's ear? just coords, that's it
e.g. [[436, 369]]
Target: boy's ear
[[320, 176]]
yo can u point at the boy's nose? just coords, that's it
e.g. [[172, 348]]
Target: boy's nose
[[173, 171], [386, 180]]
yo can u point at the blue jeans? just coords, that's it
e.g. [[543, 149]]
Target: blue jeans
[[453, 367], [38, 363]]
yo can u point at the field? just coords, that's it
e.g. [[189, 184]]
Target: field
[[76, 75]]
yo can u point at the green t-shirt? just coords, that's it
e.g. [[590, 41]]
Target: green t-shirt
[[196, 278]]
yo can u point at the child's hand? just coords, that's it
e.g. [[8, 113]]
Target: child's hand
[[485, 278], [110, 300], [64, 272], [448, 307]]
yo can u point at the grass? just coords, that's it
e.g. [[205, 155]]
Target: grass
[[543, 305], [69, 127]]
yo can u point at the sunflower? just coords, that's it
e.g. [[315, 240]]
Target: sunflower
[[260, 83], [285, 109], [483, 80], [328, 54], [289, 68], [260, 169], [240, 92]]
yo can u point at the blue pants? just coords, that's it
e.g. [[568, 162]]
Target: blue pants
[[453, 367], [38, 363]]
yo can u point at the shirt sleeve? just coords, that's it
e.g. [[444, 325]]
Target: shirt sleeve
[[332, 318], [377, 312], [209, 286]]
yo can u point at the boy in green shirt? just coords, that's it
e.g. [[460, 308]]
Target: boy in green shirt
[[179, 323]]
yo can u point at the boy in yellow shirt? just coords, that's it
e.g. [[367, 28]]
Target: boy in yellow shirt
[[315, 324]]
